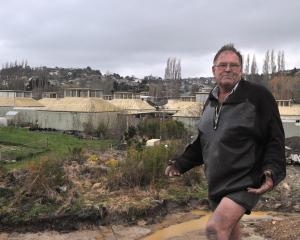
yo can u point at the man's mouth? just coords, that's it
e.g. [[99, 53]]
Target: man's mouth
[[227, 76]]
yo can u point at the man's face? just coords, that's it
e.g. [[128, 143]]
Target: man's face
[[227, 70]]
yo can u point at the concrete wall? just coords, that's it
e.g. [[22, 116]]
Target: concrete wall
[[65, 121], [291, 128], [76, 120]]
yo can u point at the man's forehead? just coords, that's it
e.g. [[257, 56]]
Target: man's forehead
[[227, 55]]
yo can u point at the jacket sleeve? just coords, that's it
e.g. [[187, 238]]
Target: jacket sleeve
[[191, 157], [274, 154]]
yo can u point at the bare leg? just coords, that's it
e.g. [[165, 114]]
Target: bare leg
[[236, 233], [223, 224]]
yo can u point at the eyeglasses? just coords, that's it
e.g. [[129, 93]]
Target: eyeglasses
[[232, 66]]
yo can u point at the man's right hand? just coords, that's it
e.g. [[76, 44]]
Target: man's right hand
[[172, 171]]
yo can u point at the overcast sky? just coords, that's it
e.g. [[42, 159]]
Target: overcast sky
[[136, 37]]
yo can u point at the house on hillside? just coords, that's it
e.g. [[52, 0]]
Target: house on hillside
[[49, 95], [15, 94], [83, 92], [126, 95]]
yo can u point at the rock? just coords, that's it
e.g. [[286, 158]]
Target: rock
[[62, 188], [277, 205], [97, 186], [286, 186], [141, 223], [296, 207]]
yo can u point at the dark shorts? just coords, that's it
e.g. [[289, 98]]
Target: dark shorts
[[243, 198]]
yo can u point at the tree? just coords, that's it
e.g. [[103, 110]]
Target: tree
[[247, 67], [279, 68], [254, 69], [282, 64], [266, 68], [173, 69], [273, 64], [173, 77], [254, 77], [285, 86]]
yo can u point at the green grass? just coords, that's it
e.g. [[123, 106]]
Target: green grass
[[32, 145]]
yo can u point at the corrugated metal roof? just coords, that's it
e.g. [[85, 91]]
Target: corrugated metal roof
[[19, 102], [132, 105], [76, 104]]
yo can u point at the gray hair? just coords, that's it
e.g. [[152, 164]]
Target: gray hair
[[229, 47]]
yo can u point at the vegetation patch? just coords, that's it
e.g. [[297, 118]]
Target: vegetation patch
[[78, 179]]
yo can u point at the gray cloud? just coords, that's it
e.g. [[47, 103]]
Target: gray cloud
[[137, 36]]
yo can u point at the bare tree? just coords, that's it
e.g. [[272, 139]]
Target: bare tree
[[247, 67], [273, 64], [279, 68], [254, 69], [173, 69], [173, 77], [254, 77], [266, 66], [282, 64]]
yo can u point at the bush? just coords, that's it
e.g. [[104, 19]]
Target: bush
[[88, 128], [101, 130], [142, 167], [167, 129], [76, 154], [149, 127], [42, 181]]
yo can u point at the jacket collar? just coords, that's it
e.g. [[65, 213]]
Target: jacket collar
[[236, 96]]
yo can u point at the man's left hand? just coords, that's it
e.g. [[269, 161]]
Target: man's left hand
[[266, 186]]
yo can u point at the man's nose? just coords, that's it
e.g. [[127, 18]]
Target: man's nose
[[228, 68]]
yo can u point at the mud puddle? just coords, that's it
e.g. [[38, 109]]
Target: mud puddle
[[179, 226]]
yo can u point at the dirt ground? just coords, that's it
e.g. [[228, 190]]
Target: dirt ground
[[281, 229]]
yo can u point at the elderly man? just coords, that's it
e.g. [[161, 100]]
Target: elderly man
[[240, 143]]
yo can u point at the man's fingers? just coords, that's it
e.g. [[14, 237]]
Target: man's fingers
[[171, 171], [266, 186]]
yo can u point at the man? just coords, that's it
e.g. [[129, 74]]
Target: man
[[240, 143]]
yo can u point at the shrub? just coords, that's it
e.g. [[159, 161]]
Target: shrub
[[101, 130], [88, 128], [76, 154], [42, 181], [142, 167], [167, 129], [130, 133]]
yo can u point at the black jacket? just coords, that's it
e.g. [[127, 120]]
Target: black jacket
[[247, 139]]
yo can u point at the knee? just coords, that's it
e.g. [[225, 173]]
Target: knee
[[212, 231]]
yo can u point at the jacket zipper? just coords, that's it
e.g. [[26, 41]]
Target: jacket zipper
[[218, 109]]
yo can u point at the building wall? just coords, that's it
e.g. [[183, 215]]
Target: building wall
[[7, 94], [291, 126], [201, 97], [67, 121]]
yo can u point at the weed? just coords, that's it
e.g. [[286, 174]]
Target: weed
[[42, 182], [141, 167], [76, 154]]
